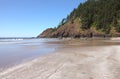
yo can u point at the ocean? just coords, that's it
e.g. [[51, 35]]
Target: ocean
[[15, 51]]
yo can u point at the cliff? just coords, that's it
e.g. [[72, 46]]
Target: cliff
[[99, 18]]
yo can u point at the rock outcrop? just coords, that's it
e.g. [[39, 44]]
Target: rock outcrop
[[88, 20]]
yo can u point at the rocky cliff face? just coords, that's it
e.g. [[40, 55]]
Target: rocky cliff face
[[47, 33], [72, 30], [99, 18], [67, 30]]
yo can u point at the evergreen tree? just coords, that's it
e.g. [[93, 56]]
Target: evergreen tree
[[102, 13]]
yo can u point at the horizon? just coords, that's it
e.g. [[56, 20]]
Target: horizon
[[28, 18]]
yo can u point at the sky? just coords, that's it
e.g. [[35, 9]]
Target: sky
[[28, 18]]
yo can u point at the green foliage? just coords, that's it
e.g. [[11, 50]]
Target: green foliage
[[98, 13], [118, 27], [64, 20]]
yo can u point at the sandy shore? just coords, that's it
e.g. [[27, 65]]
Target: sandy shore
[[102, 62]]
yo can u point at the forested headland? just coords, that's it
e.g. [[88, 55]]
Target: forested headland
[[98, 18]]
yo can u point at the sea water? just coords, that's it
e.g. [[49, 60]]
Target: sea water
[[14, 51]]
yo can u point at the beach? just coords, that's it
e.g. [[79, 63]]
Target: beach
[[73, 60]]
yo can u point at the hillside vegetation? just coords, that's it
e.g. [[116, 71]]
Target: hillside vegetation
[[99, 18]]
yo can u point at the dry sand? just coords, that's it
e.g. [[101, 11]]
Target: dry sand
[[101, 62]]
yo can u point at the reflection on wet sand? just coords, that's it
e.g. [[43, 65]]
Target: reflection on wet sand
[[73, 59]]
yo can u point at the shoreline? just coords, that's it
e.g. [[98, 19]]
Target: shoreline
[[86, 38], [74, 59], [98, 62]]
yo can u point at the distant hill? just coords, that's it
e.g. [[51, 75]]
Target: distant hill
[[99, 18]]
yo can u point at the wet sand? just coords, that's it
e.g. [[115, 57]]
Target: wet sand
[[16, 51], [89, 60]]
